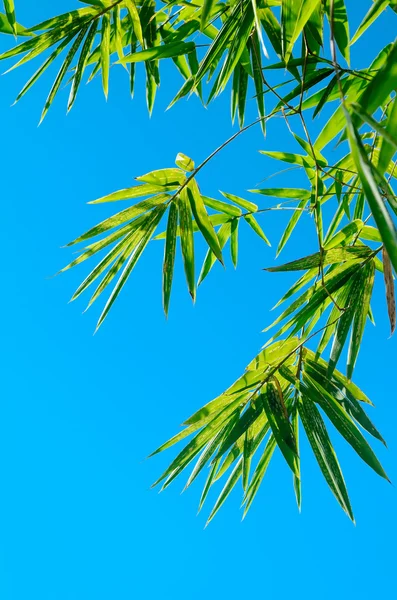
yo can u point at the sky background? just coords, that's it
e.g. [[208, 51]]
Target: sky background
[[79, 413]]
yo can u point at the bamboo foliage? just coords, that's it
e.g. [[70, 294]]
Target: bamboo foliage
[[274, 54]]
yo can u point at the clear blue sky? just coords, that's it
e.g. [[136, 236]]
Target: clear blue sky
[[79, 413]]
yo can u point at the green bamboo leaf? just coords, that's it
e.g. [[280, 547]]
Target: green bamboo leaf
[[157, 52], [388, 136], [345, 235], [328, 257], [340, 26], [5, 27], [277, 415], [294, 16], [63, 70], [96, 247], [382, 218], [341, 303], [247, 456], [234, 241], [291, 225], [132, 70], [118, 33], [134, 192], [43, 67], [242, 95], [237, 47], [295, 159], [349, 403], [10, 12], [187, 242], [169, 255], [376, 9], [235, 92], [370, 233], [114, 269], [184, 162], [388, 147], [259, 473], [223, 235], [170, 178], [136, 23], [220, 43], [82, 63], [253, 223], [105, 52], [345, 322], [383, 83], [324, 452], [201, 217], [224, 207], [136, 232], [156, 216], [74, 17], [245, 204], [360, 317], [390, 294], [208, 452], [344, 424], [205, 13], [297, 480], [298, 285], [291, 193], [198, 441], [121, 217], [229, 485], [256, 64], [339, 379]]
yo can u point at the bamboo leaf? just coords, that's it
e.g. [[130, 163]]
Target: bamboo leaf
[[382, 218], [202, 219], [324, 452], [169, 255], [277, 415], [187, 242], [105, 52], [390, 294], [344, 424]]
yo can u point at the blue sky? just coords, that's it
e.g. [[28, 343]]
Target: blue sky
[[79, 413]]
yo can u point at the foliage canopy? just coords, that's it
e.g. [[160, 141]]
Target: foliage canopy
[[242, 47]]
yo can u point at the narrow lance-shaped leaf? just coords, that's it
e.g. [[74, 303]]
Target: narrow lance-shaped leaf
[[187, 242], [375, 10], [10, 12], [345, 322], [169, 255], [363, 299], [324, 452], [340, 24], [234, 241], [390, 293], [157, 214], [344, 424], [210, 259], [82, 63], [297, 480], [274, 407], [105, 52], [62, 71], [202, 219], [382, 218], [136, 23], [388, 148], [294, 16], [253, 223]]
